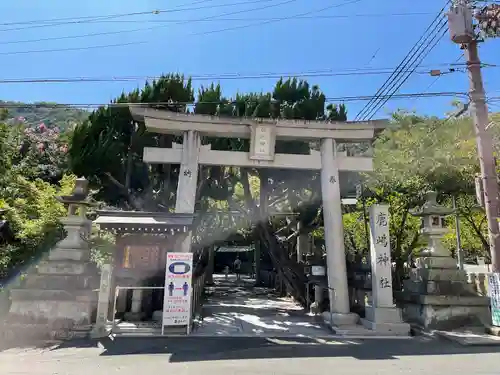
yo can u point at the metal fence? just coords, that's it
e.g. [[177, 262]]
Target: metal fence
[[198, 284]]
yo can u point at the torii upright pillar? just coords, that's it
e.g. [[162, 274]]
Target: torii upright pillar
[[334, 238], [188, 180]]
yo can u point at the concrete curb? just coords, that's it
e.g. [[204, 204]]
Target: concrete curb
[[469, 341]]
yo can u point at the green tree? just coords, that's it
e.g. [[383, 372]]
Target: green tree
[[107, 149], [30, 207], [417, 154]]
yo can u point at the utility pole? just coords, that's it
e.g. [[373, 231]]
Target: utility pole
[[462, 32]]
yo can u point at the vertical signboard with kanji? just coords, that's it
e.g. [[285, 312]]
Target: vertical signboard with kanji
[[494, 293], [178, 284], [380, 251]]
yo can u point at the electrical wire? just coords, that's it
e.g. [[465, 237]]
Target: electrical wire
[[193, 34], [434, 81], [367, 110], [196, 20], [155, 27], [107, 16], [199, 78], [91, 19], [174, 103], [403, 63], [397, 84], [330, 16], [458, 68]]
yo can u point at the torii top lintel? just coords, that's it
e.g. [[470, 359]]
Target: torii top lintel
[[167, 122]]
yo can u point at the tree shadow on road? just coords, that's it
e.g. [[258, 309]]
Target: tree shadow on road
[[187, 349]]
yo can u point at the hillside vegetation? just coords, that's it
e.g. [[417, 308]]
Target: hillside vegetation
[[51, 115]]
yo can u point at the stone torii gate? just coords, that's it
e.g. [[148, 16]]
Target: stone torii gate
[[263, 134]]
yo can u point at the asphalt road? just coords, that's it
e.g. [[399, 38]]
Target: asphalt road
[[245, 356]]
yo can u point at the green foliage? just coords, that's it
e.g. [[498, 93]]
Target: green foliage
[[53, 116], [107, 149], [102, 245], [417, 154], [31, 208]]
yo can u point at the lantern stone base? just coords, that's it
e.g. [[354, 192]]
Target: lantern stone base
[[438, 296], [57, 299], [385, 320], [35, 318], [433, 312]]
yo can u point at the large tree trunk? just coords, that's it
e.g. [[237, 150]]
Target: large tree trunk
[[291, 273]]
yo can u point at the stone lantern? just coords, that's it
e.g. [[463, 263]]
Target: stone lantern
[[57, 297], [76, 224], [433, 228], [437, 294]]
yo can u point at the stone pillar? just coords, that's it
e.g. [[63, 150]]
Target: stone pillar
[[318, 296], [381, 312], [188, 180], [121, 301], [135, 314], [103, 301], [256, 262], [334, 238], [302, 244], [210, 269], [136, 301]]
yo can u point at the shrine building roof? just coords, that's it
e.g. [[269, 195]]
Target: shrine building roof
[[144, 222]]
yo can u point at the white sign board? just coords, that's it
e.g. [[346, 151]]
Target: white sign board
[[178, 284], [262, 143], [318, 271], [380, 251], [494, 294]]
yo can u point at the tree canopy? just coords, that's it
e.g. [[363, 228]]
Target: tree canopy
[[413, 155]]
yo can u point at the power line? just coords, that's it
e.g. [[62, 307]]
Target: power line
[[143, 42], [420, 57], [174, 103], [107, 16], [434, 81], [203, 77], [211, 18], [402, 64], [194, 34], [91, 19], [397, 72], [331, 16], [196, 20]]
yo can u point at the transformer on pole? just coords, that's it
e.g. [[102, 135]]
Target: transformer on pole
[[460, 24]]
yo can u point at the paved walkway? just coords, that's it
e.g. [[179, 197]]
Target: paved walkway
[[237, 308], [251, 356]]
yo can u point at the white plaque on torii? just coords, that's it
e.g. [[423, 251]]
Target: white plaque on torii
[[262, 142]]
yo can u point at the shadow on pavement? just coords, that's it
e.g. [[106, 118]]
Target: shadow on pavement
[[231, 348], [238, 307]]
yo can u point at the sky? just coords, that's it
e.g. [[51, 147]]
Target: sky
[[233, 36]]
